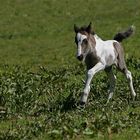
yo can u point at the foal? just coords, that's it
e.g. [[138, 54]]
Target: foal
[[101, 55]]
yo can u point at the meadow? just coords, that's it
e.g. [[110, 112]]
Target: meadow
[[41, 80]]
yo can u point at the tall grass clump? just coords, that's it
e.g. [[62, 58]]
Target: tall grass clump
[[44, 104]]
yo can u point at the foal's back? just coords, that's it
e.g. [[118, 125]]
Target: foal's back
[[106, 51]]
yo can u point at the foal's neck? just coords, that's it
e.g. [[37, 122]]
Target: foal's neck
[[91, 58], [92, 41]]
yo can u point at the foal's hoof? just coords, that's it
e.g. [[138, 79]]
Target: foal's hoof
[[82, 104], [133, 98]]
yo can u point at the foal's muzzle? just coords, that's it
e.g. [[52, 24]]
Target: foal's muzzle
[[80, 57]]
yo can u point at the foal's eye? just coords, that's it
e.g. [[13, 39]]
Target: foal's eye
[[85, 41]]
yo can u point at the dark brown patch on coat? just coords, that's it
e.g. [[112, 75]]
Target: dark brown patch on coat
[[92, 40], [91, 60], [121, 65]]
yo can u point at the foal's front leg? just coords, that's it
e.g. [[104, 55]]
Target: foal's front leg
[[90, 73]]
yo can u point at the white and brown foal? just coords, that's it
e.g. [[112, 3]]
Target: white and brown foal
[[101, 55]]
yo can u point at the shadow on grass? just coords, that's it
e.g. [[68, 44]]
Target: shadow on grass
[[70, 103]]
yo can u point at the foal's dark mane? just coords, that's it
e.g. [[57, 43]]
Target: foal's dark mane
[[84, 29]]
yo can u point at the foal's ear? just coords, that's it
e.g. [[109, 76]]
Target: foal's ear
[[76, 29], [88, 29]]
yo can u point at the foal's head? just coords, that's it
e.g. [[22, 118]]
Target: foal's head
[[82, 40]]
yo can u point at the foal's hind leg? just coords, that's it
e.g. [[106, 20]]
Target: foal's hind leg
[[129, 78], [128, 75], [112, 79], [122, 66]]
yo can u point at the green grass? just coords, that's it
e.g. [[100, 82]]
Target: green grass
[[44, 105], [41, 80], [38, 33]]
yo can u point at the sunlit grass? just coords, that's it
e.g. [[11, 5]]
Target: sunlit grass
[[41, 80], [41, 32]]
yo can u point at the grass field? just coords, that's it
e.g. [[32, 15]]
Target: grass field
[[41, 80]]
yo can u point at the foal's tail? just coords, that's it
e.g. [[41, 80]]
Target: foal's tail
[[123, 35]]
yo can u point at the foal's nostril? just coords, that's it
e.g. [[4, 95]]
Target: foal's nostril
[[80, 57]]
